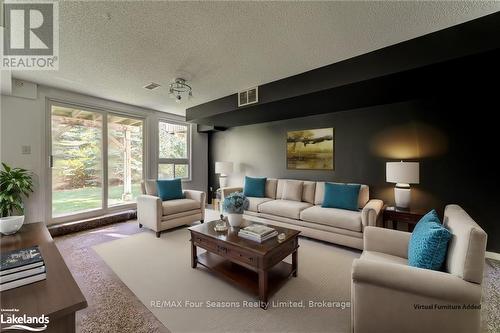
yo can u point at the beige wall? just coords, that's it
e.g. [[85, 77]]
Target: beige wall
[[23, 122]]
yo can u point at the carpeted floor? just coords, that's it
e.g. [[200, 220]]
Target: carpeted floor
[[160, 271], [113, 307]]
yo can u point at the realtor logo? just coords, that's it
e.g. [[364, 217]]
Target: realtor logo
[[30, 35]]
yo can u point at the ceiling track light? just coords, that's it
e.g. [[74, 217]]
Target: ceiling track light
[[179, 90]]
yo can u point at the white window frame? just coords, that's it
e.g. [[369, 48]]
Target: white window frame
[[175, 161], [105, 208]]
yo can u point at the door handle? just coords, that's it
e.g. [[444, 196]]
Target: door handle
[[51, 161]]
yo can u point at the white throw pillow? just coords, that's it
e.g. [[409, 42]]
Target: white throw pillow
[[292, 190]]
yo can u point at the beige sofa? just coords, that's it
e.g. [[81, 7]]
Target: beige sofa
[[386, 291], [301, 210], [159, 215]]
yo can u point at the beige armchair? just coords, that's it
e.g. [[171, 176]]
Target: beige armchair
[[387, 295], [160, 215]]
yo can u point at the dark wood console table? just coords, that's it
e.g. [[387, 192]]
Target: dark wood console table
[[58, 297]]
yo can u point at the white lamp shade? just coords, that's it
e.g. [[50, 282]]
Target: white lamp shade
[[403, 172], [223, 168]]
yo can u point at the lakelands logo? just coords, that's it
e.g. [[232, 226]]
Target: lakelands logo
[[24, 322], [30, 35]]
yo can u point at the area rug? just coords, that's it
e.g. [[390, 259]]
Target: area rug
[[158, 272]]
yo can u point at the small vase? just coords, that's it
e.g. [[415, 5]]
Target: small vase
[[235, 219]]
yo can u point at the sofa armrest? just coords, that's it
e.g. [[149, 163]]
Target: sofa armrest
[[149, 211], [417, 281], [199, 196], [393, 242], [371, 212]]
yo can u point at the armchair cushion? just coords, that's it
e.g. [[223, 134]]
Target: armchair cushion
[[169, 189], [175, 206], [428, 243]]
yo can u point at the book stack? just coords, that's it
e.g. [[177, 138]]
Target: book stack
[[21, 267], [257, 232]]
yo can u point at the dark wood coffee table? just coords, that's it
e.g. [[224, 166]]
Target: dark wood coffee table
[[257, 267]]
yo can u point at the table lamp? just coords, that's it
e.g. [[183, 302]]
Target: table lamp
[[403, 174], [223, 169]]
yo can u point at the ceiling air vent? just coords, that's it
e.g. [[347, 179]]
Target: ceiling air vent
[[151, 86], [249, 96]]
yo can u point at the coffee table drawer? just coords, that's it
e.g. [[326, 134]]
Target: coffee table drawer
[[204, 242], [243, 256]]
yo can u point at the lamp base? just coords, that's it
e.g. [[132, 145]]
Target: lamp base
[[223, 181], [402, 196]]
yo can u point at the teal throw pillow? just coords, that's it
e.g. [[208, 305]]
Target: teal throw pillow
[[169, 189], [428, 243], [343, 196], [255, 187]]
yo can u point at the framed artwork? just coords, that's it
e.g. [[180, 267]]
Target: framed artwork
[[312, 149]]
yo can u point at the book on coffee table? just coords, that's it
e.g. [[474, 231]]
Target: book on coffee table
[[257, 232]]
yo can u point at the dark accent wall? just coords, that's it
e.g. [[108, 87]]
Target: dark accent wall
[[378, 77], [453, 134]]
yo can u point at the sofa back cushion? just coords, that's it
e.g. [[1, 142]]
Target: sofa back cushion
[[271, 187], [148, 187], [292, 190], [308, 192], [363, 197], [255, 187], [467, 246]]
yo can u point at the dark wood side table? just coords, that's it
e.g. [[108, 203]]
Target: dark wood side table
[[395, 215]]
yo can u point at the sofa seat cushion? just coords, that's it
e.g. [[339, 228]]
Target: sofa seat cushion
[[334, 217], [179, 205], [383, 257], [285, 208], [255, 202]]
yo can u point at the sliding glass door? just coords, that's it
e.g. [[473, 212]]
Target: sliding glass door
[[125, 150], [96, 161], [76, 160]]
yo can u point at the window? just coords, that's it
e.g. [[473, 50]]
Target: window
[[174, 150]]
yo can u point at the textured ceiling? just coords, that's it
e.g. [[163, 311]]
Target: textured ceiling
[[112, 49]]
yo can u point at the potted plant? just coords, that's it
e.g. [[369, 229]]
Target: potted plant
[[15, 184], [234, 205]]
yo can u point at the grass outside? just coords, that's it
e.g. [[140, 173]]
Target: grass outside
[[69, 201]]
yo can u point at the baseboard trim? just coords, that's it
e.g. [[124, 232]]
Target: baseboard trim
[[492, 255]]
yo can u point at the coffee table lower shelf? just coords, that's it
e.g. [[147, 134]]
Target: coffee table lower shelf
[[244, 277]]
